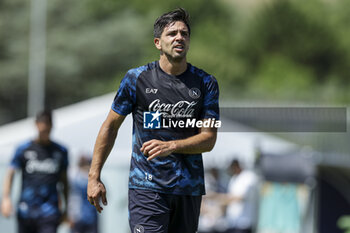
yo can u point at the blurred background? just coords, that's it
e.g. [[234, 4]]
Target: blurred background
[[71, 55]]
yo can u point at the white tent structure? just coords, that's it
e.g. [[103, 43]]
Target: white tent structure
[[76, 126]]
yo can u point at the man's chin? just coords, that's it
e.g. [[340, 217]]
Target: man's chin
[[176, 57]]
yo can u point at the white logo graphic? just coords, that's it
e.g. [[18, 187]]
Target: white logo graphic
[[151, 120], [195, 93], [46, 166], [180, 109], [191, 123], [139, 229], [33, 164], [151, 91], [161, 115]]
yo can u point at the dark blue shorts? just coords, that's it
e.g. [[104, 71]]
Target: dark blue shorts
[[40, 225], [80, 227], [151, 211]]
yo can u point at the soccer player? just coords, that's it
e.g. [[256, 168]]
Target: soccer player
[[43, 164], [167, 99], [241, 199]]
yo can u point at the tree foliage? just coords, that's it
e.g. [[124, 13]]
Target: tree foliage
[[284, 49]]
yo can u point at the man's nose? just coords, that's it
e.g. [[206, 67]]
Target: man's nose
[[179, 36]]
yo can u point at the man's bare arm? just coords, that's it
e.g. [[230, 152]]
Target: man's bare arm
[[103, 146], [6, 205], [202, 142], [105, 142]]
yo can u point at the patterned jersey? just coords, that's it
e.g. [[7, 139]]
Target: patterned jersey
[[166, 107], [41, 167]]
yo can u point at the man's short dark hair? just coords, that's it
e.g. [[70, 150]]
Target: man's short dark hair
[[235, 163], [44, 116], [164, 20]]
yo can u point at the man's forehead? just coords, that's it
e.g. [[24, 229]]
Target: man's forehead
[[176, 25]]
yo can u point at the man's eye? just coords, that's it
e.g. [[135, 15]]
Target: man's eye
[[184, 33]]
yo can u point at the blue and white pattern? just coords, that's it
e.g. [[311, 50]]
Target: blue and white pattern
[[42, 168], [191, 95]]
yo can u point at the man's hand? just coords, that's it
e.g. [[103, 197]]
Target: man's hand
[[95, 191], [6, 207], [156, 148]]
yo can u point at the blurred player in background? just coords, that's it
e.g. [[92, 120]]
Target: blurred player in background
[[241, 199], [43, 164], [82, 215], [212, 216], [166, 181]]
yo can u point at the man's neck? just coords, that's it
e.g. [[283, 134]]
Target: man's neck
[[172, 67], [41, 141]]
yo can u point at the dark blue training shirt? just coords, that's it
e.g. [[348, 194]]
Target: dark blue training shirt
[[159, 104], [41, 167]]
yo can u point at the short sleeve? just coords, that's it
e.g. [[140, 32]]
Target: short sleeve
[[16, 161], [211, 99], [125, 98]]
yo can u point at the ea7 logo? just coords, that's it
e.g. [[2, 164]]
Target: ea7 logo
[[151, 91]]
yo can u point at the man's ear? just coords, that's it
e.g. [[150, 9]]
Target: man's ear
[[157, 43]]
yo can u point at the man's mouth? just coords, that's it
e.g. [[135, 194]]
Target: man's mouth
[[179, 48]]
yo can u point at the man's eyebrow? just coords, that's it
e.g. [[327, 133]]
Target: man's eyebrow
[[175, 30]]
